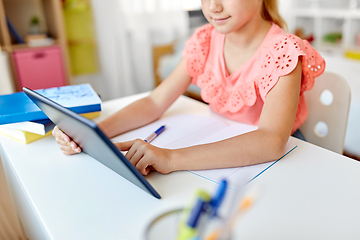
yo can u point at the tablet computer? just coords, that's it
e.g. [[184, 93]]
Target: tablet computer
[[91, 140]]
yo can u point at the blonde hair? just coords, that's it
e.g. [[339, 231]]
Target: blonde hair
[[271, 13]]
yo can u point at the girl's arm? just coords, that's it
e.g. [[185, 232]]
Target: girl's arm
[[150, 108], [267, 143], [139, 113]]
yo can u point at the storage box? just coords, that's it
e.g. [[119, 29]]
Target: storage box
[[40, 68]]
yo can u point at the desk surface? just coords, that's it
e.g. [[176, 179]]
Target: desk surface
[[312, 193]]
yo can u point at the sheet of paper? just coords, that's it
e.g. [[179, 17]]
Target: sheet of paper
[[188, 129], [228, 132], [180, 130], [237, 177]]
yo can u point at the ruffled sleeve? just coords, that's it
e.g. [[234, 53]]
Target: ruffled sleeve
[[196, 51], [282, 58]]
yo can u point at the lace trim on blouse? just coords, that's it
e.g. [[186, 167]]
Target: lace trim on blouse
[[280, 59]]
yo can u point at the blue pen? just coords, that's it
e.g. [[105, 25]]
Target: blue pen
[[218, 198], [213, 207], [155, 134]]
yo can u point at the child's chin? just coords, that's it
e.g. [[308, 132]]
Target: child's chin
[[222, 29]]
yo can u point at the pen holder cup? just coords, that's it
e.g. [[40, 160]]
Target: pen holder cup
[[165, 226]]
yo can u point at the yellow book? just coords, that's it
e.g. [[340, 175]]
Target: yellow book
[[91, 115], [28, 137], [22, 136]]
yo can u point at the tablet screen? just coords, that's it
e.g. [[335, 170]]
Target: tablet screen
[[91, 139]]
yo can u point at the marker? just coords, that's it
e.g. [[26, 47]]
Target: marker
[[155, 134], [211, 212], [188, 227]]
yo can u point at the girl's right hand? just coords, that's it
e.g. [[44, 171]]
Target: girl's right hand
[[66, 145]]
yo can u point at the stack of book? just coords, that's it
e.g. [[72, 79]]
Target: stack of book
[[22, 120], [38, 40]]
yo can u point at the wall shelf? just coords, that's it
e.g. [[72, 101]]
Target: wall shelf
[[322, 17], [20, 13]]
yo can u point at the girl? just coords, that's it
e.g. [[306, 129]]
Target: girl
[[248, 69]]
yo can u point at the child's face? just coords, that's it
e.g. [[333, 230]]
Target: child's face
[[231, 15]]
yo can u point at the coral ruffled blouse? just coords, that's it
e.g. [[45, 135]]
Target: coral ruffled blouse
[[240, 96]]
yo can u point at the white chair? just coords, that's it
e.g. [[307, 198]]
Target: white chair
[[328, 103]]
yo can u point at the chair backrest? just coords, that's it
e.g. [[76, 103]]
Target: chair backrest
[[328, 103]]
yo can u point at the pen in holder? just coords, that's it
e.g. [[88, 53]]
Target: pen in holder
[[200, 219], [192, 216], [203, 216], [242, 201]]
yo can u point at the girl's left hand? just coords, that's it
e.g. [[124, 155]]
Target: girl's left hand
[[146, 157]]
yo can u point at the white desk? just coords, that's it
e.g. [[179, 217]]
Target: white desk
[[311, 194]]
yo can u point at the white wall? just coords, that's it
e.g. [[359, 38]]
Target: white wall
[[285, 11], [6, 83]]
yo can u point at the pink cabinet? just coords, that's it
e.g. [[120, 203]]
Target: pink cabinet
[[40, 67]]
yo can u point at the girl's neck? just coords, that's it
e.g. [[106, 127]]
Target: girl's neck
[[241, 45], [249, 35]]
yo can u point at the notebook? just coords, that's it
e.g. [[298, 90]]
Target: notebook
[[91, 139], [17, 107]]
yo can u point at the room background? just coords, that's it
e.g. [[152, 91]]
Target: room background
[[128, 32]]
